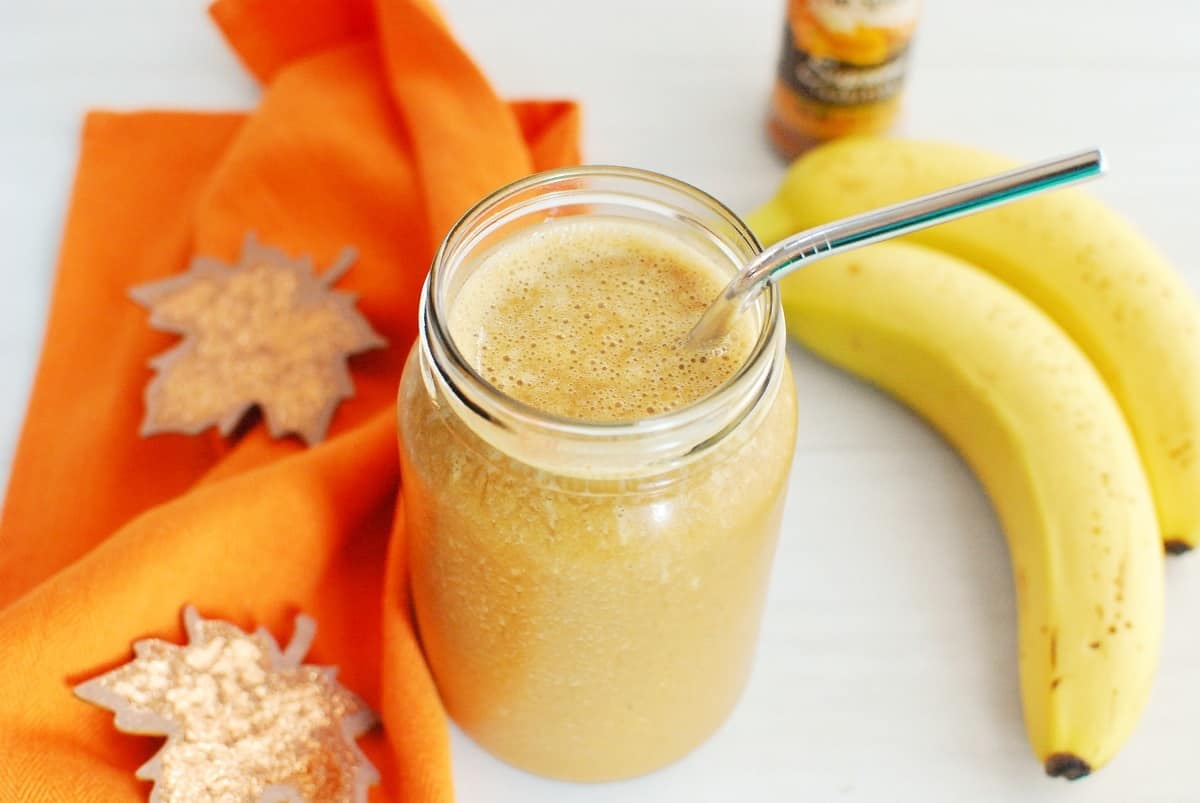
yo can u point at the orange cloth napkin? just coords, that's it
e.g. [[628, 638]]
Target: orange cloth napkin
[[375, 130]]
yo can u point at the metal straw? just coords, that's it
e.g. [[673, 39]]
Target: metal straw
[[899, 219]]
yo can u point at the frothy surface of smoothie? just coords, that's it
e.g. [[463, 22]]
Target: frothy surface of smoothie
[[584, 318]]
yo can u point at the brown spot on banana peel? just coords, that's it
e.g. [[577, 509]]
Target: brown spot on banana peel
[[1183, 454], [1067, 765], [1054, 652], [1176, 546]]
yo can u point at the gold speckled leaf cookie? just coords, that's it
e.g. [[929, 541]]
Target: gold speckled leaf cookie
[[267, 331], [244, 721]]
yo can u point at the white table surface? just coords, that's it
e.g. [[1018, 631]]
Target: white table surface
[[887, 667]]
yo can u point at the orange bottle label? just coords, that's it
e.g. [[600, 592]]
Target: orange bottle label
[[841, 70]]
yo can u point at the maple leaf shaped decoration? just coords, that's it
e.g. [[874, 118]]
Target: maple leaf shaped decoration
[[267, 331], [244, 721]]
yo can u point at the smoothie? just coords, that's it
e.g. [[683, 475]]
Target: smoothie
[[584, 319], [578, 626]]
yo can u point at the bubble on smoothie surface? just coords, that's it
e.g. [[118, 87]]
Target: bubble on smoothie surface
[[585, 318]]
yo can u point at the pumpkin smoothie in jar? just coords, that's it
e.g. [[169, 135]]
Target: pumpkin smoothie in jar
[[592, 509]]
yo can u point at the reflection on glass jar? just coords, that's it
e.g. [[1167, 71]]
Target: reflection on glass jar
[[588, 592]]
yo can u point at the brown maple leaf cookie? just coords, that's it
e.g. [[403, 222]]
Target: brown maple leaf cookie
[[244, 721], [267, 331]]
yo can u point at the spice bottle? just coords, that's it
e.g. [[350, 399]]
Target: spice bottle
[[841, 70]]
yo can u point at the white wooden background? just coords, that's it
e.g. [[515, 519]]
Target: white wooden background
[[887, 665]]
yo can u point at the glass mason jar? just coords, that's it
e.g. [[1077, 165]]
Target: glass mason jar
[[588, 594]]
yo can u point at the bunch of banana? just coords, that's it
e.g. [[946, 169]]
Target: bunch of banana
[[1047, 429], [1082, 263]]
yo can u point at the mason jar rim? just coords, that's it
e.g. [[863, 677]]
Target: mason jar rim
[[486, 400]]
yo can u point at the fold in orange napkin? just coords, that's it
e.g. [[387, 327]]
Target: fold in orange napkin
[[375, 130]]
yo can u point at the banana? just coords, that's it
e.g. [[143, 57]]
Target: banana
[[1083, 264], [1033, 418]]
